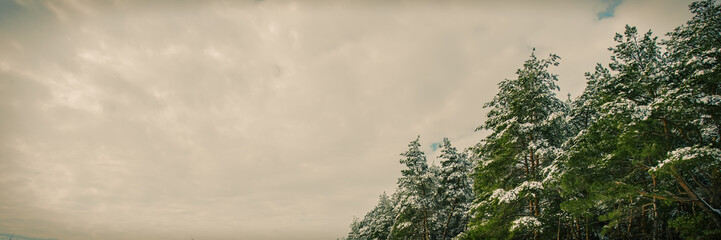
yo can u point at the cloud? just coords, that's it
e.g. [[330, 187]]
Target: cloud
[[610, 8], [239, 120]]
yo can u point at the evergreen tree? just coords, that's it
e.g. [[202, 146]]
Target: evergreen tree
[[635, 156], [377, 223], [455, 190], [650, 153], [691, 114], [606, 160], [518, 155], [416, 190], [355, 229]]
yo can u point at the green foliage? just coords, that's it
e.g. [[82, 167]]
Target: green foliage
[[513, 178], [431, 202], [455, 191], [695, 227], [636, 156], [641, 137], [377, 223]]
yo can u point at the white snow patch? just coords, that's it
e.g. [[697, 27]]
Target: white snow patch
[[504, 196], [525, 222], [689, 153]]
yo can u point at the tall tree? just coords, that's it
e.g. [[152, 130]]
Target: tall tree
[[606, 162], [523, 118], [416, 191], [650, 154], [456, 190], [636, 156], [377, 223], [691, 113]]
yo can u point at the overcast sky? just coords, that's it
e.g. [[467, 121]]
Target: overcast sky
[[258, 120]]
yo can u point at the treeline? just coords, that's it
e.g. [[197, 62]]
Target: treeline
[[636, 156], [431, 202]]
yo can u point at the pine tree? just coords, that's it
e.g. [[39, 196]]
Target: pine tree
[[607, 160], [648, 152], [377, 223], [636, 156], [355, 229], [456, 190], [517, 156], [691, 114], [416, 191]]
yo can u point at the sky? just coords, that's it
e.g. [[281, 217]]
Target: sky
[[258, 120]]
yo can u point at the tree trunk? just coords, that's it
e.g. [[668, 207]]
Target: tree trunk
[[425, 224], [578, 229], [586, 227], [715, 213], [448, 221], [558, 232]]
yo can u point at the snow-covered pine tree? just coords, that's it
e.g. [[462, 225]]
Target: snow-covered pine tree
[[606, 160], [416, 192], [579, 209], [456, 191], [691, 115], [355, 229], [515, 157], [377, 223], [650, 153]]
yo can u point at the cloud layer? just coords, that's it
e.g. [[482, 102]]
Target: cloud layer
[[263, 120]]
